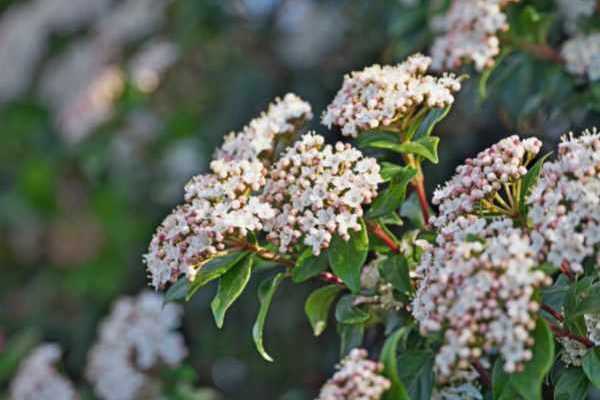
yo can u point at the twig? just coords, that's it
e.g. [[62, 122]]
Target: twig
[[419, 185], [557, 315], [382, 235], [564, 268], [560, 332]]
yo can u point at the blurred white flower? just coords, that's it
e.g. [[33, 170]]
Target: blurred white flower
[[582, 56]]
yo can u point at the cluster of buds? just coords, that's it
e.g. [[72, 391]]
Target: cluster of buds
[[357, 378], [283, 117], [318, 190], [377, 292], [379, 96], [220, 210], [582, 56], [565, 202], [478, 285], [462, 385], [139, 335], [477, 184], [572, 351], [38, 379], [470, 34]]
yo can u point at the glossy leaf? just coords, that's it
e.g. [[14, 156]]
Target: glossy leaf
[[528, 182], [309, 266], [177, 291], [390, 170], [572, 385], [266, 290], [395, 271], [347, 257], [347, 313], [214, 269], [231, 286], [591, 366], [317, 307], [388, 358], [351, 336], [394, 195], [433, 117], [415, 369]]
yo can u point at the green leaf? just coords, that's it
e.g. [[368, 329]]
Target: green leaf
[[434, 117], [425, 146], [528, 182], [346, 313], [390, 170], [177, 291], [395, 271], [501, 387], [309, 265], [393, 196], [317, 307], [572, 385], [266, 290], [214, 269], [415, 369], [589, 302], [231, 286], [348, 257], [591, 366], [390, 364], [377, 139], [528, 383], [351, 336], [411, 209]]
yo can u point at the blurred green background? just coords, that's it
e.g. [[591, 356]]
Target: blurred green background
[[79, 200]]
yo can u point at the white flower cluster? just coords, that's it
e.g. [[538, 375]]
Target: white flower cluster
[[482, 177], [462, 385], [572, 352], [38, 379], [379, 292], [565, 203], [380, 95], [573, 11], [137, 336], [592, 323], [219, 208], [318, 190], [582, 55], [284, 116], [478, 285], [470, 34], [357, 378]]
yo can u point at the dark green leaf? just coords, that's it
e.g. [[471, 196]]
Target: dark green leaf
[[377, 139], [309, 265], [347, 257], [393, 196], [391, 219], [231, 286], [214, 269], [572, 385], [501, 386], [411, 209], [395, 271], [266, 290], [425, 147], [529, 181], [317, 307], [591, 366], [346, 313], [434, 117], [177, 291], [351, 336], [415, 369], [390, 363], [390, 170]]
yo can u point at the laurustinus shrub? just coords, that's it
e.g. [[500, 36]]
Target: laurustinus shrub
[[483, 296]]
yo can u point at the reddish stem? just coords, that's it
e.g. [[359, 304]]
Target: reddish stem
[[543, 51], [560, 332], [558, 316], [382, 235], [565, 269], [331, 278], [484, 375], [419, 185]]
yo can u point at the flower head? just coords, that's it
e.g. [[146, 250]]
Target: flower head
[[38, 379], [138, 335], [220, 209], [380, 95], [565, 203], [582, 56], [317, 191], [283, 117], [470, 34], [480, 179], [478, 286], [357, 378]]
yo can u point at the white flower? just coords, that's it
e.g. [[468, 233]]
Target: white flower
[[38, 379], [572, 352], [316, 191], [380, 95], [357, 378], [565, 204], [470, 30], [573, 11], [482, 178], [462, 385], [284, 116], [138, 335], [479, 283], [582, 56]]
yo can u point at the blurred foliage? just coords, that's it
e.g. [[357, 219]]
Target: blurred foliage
[[75, 218]]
